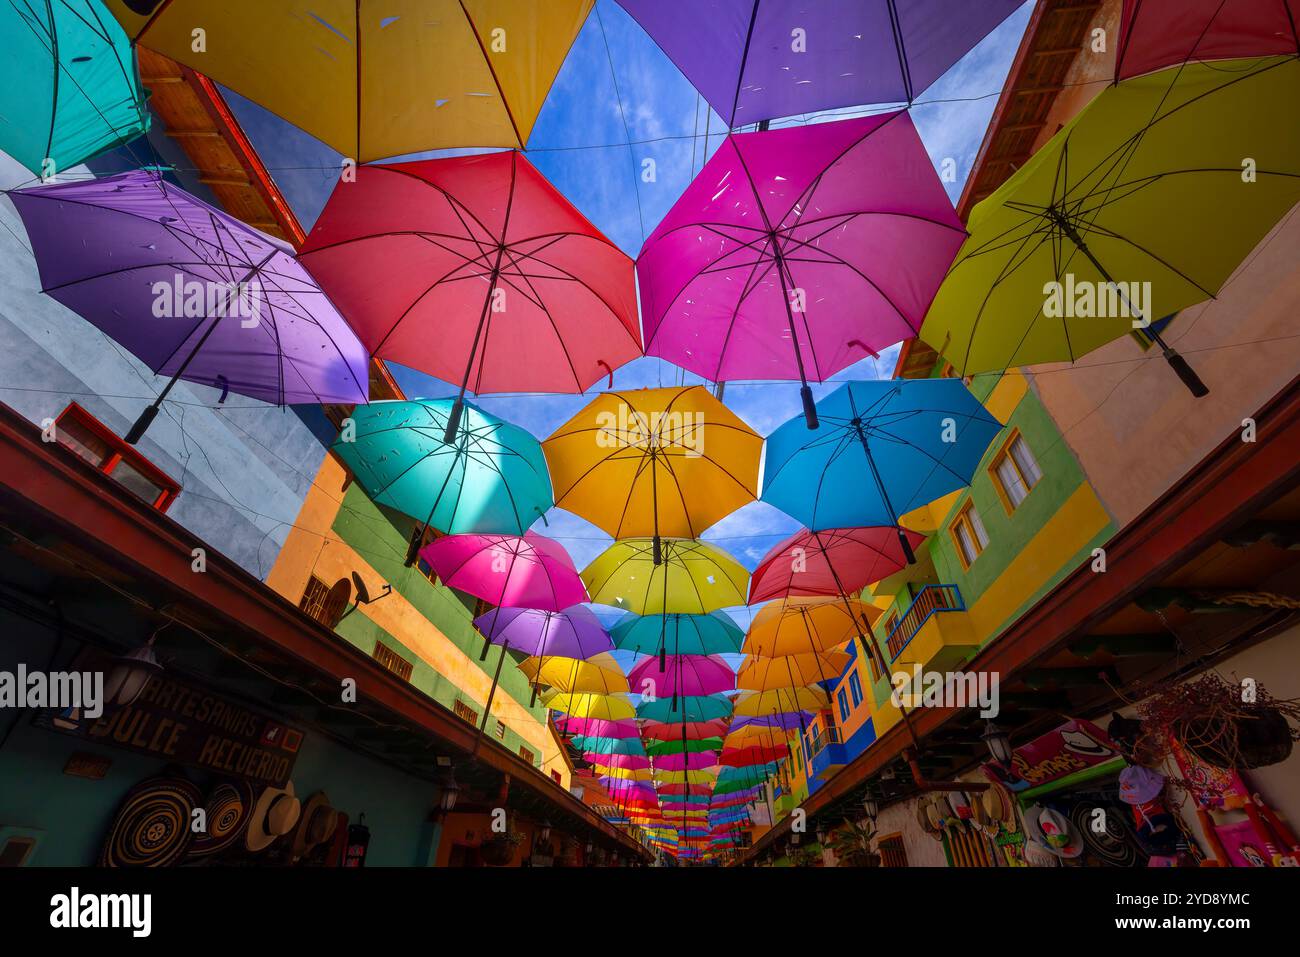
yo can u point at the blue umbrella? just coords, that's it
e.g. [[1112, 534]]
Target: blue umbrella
[[491, 479], [609, 745], [685, 708], [711, 634], [885, 447]]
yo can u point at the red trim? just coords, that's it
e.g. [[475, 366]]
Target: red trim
[[121, 451]]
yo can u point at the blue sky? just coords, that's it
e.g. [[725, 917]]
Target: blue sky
[[580, 142]]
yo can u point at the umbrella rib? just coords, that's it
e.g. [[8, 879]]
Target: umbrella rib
[[488, 61]]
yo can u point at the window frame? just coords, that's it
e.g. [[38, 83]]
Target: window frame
[[855, 688], [1004, 455], [118, 451], [962, 519], [842, 699]]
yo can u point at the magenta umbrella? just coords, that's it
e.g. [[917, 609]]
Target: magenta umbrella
[[598, 727], [515, 571], [634, 762], [689, 675], [573, 633], [796, 252], [686, 761]]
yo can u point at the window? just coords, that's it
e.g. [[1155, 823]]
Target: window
[[842, 699], [855, 688], [527, 755], [326, 604], [892, 852], [557, 778], [1015, 471], [80, 432], [500, 730], [392, 661], [465, 712], [968, 534], [419, 538]]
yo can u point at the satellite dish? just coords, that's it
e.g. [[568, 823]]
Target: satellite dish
[[363, 593]]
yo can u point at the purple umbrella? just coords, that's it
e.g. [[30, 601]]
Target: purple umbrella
[[191, 291], [572, 633], [754, 60], [797, 252]]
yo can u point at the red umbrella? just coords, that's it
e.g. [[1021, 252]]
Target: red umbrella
[[835, 561], [1154, 34], [691, 730], [476, 270]]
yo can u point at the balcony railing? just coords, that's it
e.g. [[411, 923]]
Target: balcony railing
[[823, 737], [928, 601]]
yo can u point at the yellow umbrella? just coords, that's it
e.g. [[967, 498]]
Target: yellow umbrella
[[654, 462], [760, 674], [374, 78], [609, 707], [686, 777], [694, 577], [795, 626], [754, 734], [1162, 184], [599, 674], [626, 774], [754, 704]]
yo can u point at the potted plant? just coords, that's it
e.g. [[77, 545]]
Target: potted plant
[[499, 849], [851, 842]]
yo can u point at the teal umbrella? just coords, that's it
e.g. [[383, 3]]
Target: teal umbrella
[[69, 87], [711, 634], [684, 708], [491, 480]]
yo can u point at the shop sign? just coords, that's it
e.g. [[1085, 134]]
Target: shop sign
[[1075, 746], [184, 724]]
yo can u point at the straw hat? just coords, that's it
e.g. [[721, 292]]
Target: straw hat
[[999, 806], [316, 825], [274, 815]]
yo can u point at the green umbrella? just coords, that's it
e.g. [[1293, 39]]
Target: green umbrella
[[677, 746], [491, 480]]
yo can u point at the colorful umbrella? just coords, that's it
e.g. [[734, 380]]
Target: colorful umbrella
[[374, 78], [780, 700], [572, 633], [889, 446], [491, 279], [598, 675], [590, 745], [509, 571], [1138, 207], [797, 252], [691, 730], [654, 462], [835, 561], [752, 754], [1154, 34], [688, 708], [709, 634], [656, 748], [193, 292], [682, 675], [694, 578], [796, 626], [755, 60], [761, 674], [610, 707], [491, 478], [70, 88], [596, 727], [685, 761]]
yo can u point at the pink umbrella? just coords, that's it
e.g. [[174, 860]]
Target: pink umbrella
[[632, 762], [598, 727], [691, 730], [686, 761], [689, 675], [835, 561], [518, 571], [796, 252]]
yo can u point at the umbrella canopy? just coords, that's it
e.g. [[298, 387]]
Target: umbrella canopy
[[599, 674], [572, 633], [690, 730], [1154, 34], [620, 765], [491, 478], [743, 56], [682, 675], [689, 708], [835, 561], [69, 87], [753, 754], [656, 748], [594, 745], [693, 578], [685, 760], [596, 727], [798, 626], [651, 462], [375, 79], [694, 777], [885, 447], [796, 252], [709, 634], [491, 278], [780, 700], [191, 291], [511, 571], [761, 674], [787, 722], [1129, 213], [609, 707]]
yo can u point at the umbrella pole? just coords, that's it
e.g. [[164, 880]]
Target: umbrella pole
[[884, 497], [487, 710], [1180, 365], [487, 639], [541, 659], [150, 413], [656, 543], [458, 407], [805, 390]]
